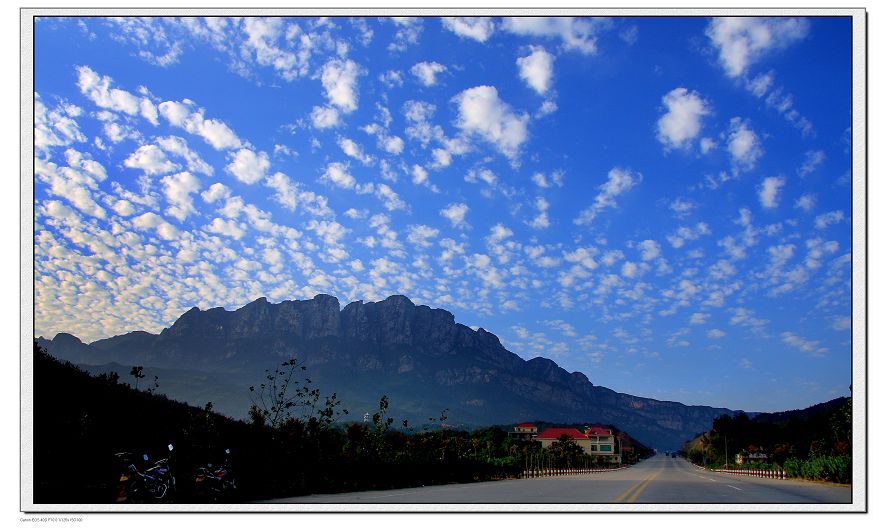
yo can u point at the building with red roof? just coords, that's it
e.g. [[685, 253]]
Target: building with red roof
[[594, 440]]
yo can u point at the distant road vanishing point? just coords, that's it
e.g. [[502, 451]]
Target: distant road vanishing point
[[658, 480]]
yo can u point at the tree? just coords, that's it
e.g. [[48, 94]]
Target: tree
[[137, 373], [381, 422], [282, 395], [565, 452]]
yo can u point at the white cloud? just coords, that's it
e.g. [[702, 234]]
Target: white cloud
[[249, 167], [149, 220], [481, 112], [814, 158], [477, 28], [216, 191], [537, 69], [485, 175], [227, 228], [577, 34], [98, 89], [408, 31], [828, 219], [56, 127], [583, 256], [330, 232], [390, 199], [325, 117], [148, 35], [716, 333], [619, 181], [263, 35], [337, 174], [681, 124], [541, 221], [426, 72], [418, 235], [760, 84], [630, 269], [707, 144], [745, 317], [498, 233], [217, 134], [698, 318], [556, 179], [681, 207], [71, 183], [744, 145], [456, 213], [151, 160], [442, 158], [287, 190], [842, 323], [213, 131], [419, 113], [805, 345], [178, 146], [353, 150], [768, 191], [391, 78], [683, 233], [482, 267], [123, 208], [392, 144], [178, 189], [742, 41], [817, 248], [339, 78], [779, 256], [546, 108], [419, 175], [805, 202], [649, 250]]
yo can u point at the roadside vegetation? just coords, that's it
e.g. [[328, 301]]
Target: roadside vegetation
[[297, 441], [813, 444]]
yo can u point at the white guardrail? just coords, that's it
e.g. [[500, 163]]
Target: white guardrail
[[551, 472], [778, 474]]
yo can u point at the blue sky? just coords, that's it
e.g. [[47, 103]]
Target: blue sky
[[661, 203]]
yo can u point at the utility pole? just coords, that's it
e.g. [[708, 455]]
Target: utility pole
[[726, 442]]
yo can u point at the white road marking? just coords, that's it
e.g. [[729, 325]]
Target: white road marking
[[733, 487]]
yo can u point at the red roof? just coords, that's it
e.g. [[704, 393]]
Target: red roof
[[557, 432], [597, 431], [525, 425]]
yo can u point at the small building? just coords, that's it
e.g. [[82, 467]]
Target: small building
[[602, 441], [749, 458], [595, 441], [524, 432]]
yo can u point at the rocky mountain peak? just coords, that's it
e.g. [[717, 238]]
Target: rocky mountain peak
[[420, 356]]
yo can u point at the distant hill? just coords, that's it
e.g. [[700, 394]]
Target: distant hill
[[827, 407], [418, 356]]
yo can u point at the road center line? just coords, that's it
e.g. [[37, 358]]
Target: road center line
[[635, 490], [733, 487]]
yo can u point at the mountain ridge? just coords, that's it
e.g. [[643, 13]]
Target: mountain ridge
[[419, 356]]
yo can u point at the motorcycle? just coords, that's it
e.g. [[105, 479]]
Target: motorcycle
[[154, 484], [215, 482]]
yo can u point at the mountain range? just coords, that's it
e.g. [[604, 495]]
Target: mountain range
[[418, 356]]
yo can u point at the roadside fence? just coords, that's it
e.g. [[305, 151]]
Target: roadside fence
[[553, 472], [778, 474]]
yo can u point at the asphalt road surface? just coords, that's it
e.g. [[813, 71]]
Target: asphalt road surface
[[657, 480]]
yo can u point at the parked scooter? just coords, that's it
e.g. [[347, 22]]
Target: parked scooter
[[216, 482], [154, 484]]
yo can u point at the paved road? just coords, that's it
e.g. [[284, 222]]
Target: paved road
[[658, 480]]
